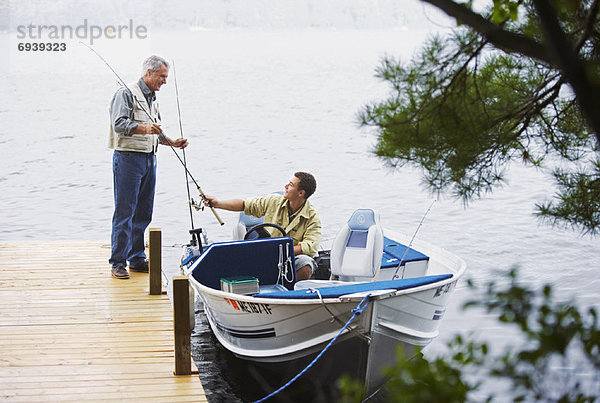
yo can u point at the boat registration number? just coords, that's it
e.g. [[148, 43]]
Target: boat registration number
[[250, 307], [443, 289]]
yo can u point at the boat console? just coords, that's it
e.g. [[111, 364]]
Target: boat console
[[269, 260]]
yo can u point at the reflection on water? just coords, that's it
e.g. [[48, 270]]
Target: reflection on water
[[257, 106]]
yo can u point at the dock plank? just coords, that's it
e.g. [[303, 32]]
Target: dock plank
[[70, 332]]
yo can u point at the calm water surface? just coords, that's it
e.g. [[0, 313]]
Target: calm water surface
[[257, 106]]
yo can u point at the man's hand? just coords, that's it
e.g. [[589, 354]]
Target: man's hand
[[147, 129], [209, 201], [231, 205], [180, 143], [152, 129]]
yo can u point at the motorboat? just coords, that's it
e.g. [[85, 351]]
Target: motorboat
[[382, 289]]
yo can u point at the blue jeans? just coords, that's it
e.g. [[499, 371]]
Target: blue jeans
[[134, 180]]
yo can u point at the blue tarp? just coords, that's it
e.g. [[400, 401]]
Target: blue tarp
[[393, 252], [337, 291]]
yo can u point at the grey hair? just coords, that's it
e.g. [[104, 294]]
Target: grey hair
[[153, 63]]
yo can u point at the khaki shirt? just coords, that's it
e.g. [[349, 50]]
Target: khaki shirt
[[305, 228]]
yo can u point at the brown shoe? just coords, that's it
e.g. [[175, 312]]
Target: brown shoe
[[119, 272], [140, 268]]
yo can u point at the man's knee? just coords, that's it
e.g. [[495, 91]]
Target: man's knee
[[303, 273], [306, 265]]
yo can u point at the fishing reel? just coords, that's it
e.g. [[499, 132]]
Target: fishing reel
[[199, 206]]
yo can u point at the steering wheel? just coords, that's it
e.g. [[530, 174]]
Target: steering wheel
[[262, 232]]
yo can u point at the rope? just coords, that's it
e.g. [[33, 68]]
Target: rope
[[374, 393], [357, 311], [334, 318]]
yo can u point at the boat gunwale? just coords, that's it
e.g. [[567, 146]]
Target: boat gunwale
[[435, 254], [356, 296]]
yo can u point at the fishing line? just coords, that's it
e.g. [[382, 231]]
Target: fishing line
[[395, 276], [161, 136], [187, 182]]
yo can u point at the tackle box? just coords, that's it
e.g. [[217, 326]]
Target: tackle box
[[246, 285]]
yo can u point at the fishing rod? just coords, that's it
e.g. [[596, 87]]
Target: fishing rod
[[187, 182], [395, 276], [161, 137]]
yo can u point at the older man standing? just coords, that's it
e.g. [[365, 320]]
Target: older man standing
[[134, 135]]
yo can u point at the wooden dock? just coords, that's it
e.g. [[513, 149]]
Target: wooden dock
[[69, 331]]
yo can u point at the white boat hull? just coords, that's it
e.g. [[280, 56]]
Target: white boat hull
[[287, 333]]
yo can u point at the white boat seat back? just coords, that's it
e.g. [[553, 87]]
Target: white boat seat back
[[357, 249], [245, 222]]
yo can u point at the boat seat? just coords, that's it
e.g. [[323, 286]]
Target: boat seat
[[358, 247], [245, 222], [307, 284], [270, 288]]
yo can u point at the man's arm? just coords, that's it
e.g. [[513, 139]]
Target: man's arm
[[231, 205]]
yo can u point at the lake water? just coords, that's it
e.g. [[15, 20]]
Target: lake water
[[257, 106]]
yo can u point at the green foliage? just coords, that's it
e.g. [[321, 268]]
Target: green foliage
[[351, 390], [505, 10], [551, 334], [552, 331], [410, 380], [578, 202], [463, 110]]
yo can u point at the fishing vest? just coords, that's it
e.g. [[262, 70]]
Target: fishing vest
[[144, 143]]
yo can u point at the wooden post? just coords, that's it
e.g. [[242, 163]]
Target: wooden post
[[155, 261], [181, 325]]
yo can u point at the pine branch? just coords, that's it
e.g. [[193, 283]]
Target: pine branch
[[503, 39]]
